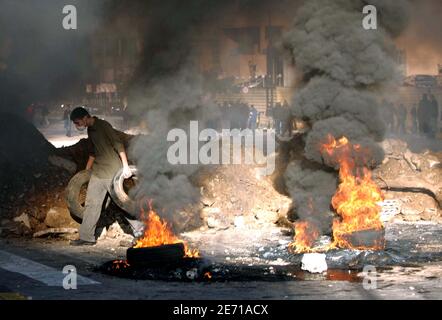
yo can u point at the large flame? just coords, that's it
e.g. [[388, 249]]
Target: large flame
[[355, 201], [158, 233]]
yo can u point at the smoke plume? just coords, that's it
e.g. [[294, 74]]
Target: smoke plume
[[167, 92], [345, 68], [40, 61]]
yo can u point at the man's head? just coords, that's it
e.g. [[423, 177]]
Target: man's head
[[80, 116]]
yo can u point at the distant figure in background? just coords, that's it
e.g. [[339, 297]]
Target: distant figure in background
[[67, 120], [414, 120], [287, 120], [244, 114], [125, 116], [277, 118], [389, 114], [427, 115], [434, 104], [252, 69], [401, 116], [253, 117]]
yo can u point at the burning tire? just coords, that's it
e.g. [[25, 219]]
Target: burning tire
[[120, 196], [155, 256], [75, 196]]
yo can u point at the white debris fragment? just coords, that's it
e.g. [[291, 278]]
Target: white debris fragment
[[314, 262], [389, 209]]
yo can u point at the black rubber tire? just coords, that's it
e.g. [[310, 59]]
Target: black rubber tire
[[156, 256], [73, 191], [120, 197]]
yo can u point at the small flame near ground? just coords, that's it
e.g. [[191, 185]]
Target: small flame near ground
[[120, 264], [356, 200], [305, 235], [158, 233]]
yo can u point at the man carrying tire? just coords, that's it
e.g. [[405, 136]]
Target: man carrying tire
[[105, 159]]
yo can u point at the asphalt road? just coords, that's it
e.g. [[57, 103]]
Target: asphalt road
[[34, 270]]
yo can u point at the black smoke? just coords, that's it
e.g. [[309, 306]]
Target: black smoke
[[40, 61]]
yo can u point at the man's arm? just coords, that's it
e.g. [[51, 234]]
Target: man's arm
[[90, 162]]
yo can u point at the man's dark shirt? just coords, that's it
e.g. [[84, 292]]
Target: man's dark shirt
[[106, 148]]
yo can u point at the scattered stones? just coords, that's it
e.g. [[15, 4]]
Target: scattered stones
[[114, 231], [58, 217], [23, 218], [213, 223], [266, 216]]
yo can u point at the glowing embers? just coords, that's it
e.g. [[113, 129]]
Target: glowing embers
[[356, 201]]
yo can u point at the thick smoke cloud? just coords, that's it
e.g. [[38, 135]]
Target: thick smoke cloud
[[39, 60], [303, 186], [345, 69], [167, 92], [171, 102]]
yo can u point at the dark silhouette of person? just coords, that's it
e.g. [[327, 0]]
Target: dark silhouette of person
[[427, 115], [389, 115], [414, 119], [277, 118], [253, 117], [401, 116]]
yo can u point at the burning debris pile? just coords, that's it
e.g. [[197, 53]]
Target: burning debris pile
[[339, 101], [356, 201]]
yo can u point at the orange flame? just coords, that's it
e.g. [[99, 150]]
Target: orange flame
[[357, 196], [208, 275], [355, 201], [158, 233], [305, 235]]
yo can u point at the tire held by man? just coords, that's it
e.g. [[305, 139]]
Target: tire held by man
[[119, 195], [73, 190]]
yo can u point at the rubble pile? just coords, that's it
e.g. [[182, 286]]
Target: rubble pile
[[415, 179], [32, 182], [237, 196]]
